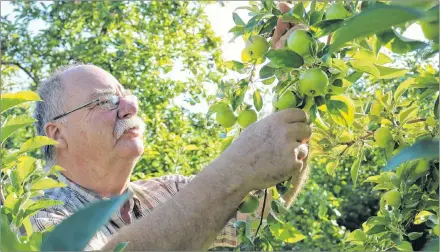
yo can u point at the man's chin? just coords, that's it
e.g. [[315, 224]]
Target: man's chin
[[130, 147]]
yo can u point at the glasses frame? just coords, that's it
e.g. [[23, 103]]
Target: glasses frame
[[83, 106]]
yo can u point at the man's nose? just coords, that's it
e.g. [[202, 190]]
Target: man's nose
[[128, 107]]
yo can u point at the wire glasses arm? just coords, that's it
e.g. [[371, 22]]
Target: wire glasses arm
[[78, 108]]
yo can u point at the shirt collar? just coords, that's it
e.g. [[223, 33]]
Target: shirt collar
[[90, 195]]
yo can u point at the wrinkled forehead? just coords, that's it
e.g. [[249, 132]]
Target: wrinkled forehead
[[86, 83]]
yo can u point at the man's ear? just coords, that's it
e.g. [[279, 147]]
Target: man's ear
[[53, 130]]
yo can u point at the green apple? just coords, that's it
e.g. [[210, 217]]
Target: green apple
[[287, 100], [247, 117], [300, 41], [226, 118], [383, 137], [392, 198], [249, 204], [256, 47], [313, 82], [336, 11]]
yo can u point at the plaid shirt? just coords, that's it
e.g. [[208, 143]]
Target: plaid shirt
[[147, 195]]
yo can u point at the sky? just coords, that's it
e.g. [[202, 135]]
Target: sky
[[221, 21]]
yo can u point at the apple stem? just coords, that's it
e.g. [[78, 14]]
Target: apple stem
[[262, 212]]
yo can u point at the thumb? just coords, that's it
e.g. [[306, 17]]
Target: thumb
[[281, 26]]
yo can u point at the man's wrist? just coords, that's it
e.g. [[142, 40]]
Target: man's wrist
[[222, 171]]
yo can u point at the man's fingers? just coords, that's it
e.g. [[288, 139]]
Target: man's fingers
[[300, 132], [284, 8], [292, 115], [281, 26], [302, 152]]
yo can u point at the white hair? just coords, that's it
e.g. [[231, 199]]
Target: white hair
[[52, 92]]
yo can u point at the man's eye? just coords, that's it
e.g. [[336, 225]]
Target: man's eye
[[104, 102]]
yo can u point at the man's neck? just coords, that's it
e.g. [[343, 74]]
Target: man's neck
[[105, 180]]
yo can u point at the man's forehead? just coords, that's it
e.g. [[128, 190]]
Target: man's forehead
[[91, 81], [105, 91]]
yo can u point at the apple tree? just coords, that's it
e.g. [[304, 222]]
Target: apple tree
[[372, 97]]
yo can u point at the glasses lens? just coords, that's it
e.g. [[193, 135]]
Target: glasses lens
[[109, 102]]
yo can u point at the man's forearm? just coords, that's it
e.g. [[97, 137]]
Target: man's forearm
[[190, 220]]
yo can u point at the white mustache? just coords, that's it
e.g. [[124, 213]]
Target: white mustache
[[126, 124]]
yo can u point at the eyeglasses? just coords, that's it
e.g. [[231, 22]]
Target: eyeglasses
[[107, 102]]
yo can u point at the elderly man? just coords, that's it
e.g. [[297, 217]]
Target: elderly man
[[94, 119]]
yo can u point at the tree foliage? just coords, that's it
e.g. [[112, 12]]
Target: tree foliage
[[377, 79]]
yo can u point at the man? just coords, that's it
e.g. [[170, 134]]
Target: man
[[94, 119]]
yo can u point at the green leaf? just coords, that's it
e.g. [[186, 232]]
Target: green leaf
[[406, 114], [10, 100], [404, 45], [40, 204], [11, 201], [353, 77], [13, 124], [269, 25], [238, 97], [258, 100], [55, 169], [9, 239], [84, 224], [366, 55], [436, 108], [354, 171], [422, 216], [248, 228], [432, 245], [325, 27], [284, 58], [234, 65], [404, 246], [376, 229], [37, 142], [35, 240], [286, 232], [330, 167], [373, 20], [427, 148], [269, 81], [390, 73], [266, 71], [356, 235], [365, 66], [341, 110], [121, 246], [403, 87], [237, 19], [414, 235], [46, 183], [25, 167]]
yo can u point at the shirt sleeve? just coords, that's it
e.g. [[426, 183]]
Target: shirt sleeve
[[227, 238]]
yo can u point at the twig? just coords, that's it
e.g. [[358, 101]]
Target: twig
[[353, 142], [250, 77], [417, 120], [22, 68], [262, 212]]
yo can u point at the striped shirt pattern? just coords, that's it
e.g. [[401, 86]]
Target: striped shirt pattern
[[146, 195]]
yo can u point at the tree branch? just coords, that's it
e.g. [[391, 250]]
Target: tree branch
[[35, 79]]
